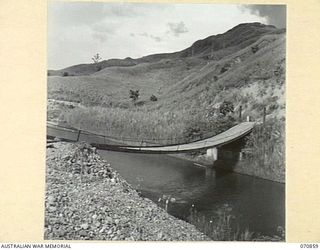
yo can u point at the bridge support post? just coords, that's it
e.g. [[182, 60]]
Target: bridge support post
[[78, 136], [240, 156], [212, 154]]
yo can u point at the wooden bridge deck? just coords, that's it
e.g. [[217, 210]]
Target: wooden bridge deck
[[225, 137]]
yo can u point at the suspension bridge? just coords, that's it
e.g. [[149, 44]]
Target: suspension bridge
[[108, 143]]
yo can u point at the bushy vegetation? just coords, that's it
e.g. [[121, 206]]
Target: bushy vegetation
[[153, 98], [200, 129], [226, 107], [265, 151], [222, 227], [134, 94]]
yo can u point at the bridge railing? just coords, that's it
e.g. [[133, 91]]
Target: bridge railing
[[73, 134]]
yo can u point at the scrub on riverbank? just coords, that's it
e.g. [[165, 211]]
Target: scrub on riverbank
[[87, 200]]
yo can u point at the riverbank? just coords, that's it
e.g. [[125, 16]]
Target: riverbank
[[245, 167], [88, 200]]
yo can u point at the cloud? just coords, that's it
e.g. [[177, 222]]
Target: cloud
[[103, 31], [75, 14], [77, 30], [275, 14], [100, 37], [88, 13], [177, 28], [155, 38]]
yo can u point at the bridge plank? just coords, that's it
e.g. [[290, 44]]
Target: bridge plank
[[225, 137]]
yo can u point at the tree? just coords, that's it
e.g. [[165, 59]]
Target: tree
[[226, 107], [134, 94], [96, 58], [153, 98]]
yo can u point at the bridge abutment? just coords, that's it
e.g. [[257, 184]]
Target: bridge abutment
[[212, 154]]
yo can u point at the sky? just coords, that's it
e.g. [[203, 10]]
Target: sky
[[79, 30]]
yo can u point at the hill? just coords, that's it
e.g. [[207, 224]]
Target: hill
[[244, 66], [234, 39]]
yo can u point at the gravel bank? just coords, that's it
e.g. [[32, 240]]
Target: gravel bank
[[88, 200]]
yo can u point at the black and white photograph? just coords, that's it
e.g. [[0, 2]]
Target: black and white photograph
[[165, 122]]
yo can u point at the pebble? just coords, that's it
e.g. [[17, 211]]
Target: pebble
[[172, 200], [85, 226], [51, 199], [82, 233], [109, 220], [98, 208], [52, 209]]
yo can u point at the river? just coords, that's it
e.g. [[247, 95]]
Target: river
[[256, 204]]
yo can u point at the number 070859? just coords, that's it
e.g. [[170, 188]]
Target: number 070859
[[309, 245]]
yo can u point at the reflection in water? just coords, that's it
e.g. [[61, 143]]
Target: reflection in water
[[256, 204]]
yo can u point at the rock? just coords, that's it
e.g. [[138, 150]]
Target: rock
[[159, 236], [109, 220], [52, 209], [82, 233], [102, 229], [61, 233], [51, 199], [172, 200], [84, 226]]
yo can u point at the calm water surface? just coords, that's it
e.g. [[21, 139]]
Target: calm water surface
[[257, 204]]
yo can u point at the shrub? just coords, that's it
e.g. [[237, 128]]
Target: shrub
[[153, 98], [265, 150], [134, 94], [65, 74], [225, 68], [254, 49], [200, 128], [194, 130], [226, 107]]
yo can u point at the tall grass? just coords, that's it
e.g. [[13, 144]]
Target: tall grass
[[219, 227], [222, 227], [121, 123], [265, 151], [141, 124]]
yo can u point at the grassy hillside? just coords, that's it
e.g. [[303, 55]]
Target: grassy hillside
[[244, 66]]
